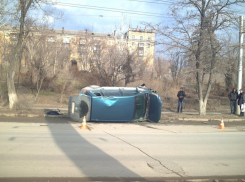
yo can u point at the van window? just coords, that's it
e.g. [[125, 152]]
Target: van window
[[72, 107]]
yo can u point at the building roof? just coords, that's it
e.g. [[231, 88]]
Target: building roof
[[84, 33]]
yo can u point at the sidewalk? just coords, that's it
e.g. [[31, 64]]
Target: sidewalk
[[194, 116], [167, 116], [34, 112]]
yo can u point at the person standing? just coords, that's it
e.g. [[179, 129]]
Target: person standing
[[233, 95], [241, 101], [181, 95]]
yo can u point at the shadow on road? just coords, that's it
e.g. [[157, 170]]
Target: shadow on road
[[80, 152]]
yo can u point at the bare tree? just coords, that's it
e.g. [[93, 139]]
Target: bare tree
[[42, 54], [24, 6], [117, 63], [229, 61], [21, 11], [6, 13], [65, 82], [177, 63], [196, 32]]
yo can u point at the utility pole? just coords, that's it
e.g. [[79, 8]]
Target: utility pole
[[239, 74]]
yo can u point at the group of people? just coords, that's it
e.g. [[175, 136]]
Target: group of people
[[234, 96]]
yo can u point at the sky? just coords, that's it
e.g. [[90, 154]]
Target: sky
[[105, 16]]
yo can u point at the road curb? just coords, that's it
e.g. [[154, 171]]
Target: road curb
[[30, 115], [105, 179], [206, 120], [65, 115]]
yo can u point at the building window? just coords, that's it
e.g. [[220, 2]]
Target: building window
[[82, 41], [148, 45], [74, 46], [73, 107], [133, 36], [149, 38], [66, 40], [80, 54], [141, 52], [14, 36], [141, 37], [50, 39], [67, 45], [141, 44], [133, 44], [148, 52]]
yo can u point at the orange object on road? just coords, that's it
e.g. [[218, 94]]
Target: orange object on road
[[84, 125], [222, 125]]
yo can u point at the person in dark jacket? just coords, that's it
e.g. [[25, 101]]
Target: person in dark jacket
[[233, 95], [181, 95], [241, 101]]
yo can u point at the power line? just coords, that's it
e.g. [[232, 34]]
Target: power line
[[102, 16], [110, 9], [154, 2]]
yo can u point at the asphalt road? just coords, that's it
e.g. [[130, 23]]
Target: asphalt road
[[117, 151], [55, 119]]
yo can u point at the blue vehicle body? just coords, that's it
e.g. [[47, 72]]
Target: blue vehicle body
[[117, 104]]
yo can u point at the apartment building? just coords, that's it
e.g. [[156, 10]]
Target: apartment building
[[143, 41], [84, 46]]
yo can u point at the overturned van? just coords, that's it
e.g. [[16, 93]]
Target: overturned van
[[117, 104]]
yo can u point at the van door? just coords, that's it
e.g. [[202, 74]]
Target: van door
[[140, 106], [154, 108]]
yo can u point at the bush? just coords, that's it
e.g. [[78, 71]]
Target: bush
[[25, 102]]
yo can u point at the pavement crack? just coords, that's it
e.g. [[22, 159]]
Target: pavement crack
[[158, 129], [146, 154], [150, 165]]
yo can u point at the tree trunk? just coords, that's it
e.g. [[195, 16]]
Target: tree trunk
[[11, 88], [18, 82], [39, 88], [202, 107], [24, 6], [127, 79], [63, 91]]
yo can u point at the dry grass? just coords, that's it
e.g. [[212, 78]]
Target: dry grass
[[25, 102], [165, 87]]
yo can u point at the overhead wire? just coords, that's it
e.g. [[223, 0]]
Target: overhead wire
[[110, 9], [154, 2], [105, 16], [139, 13]]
